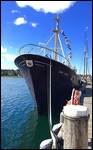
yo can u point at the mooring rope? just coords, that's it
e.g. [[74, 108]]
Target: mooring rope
[[53, 135]]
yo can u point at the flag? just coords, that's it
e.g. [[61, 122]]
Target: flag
[[67, 43], [66, 39], [69, 47], [69, 55], [63, 32]]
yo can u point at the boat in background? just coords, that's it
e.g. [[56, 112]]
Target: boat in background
[[35, 69], [86, 77]]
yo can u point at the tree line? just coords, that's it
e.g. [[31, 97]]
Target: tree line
[[7, 72]]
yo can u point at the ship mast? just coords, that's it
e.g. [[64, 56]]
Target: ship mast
[[85, 55], [57, 39], [56, 36]]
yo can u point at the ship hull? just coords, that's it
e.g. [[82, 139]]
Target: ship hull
[[36, 74]]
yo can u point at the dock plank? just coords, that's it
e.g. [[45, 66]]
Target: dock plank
[[87, 101]]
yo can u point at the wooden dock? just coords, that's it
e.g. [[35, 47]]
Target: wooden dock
[[86, 100]]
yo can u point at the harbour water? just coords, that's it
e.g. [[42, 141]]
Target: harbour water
[[21, 126]]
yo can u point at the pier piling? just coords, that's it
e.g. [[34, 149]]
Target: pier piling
[[75, 127]]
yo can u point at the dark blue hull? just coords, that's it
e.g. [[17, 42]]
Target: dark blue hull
[[63, 80]]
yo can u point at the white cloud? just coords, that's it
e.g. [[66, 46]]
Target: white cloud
[[20, 21], [7, 61], [34, 24], [3, 50], [8, 66], [15, 11], [47, 6], [2, 60], [9, 57]]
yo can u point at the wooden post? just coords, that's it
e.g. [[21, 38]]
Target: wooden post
[[75, 127], [61, 117]]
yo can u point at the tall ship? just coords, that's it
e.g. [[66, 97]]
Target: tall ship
[[35, 70]]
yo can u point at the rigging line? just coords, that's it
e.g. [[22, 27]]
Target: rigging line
[[46, 44], [49, 95], [53, 135], [50, 117], [44, 48], [87, 59], [40, 40], [61, 47], [88, 70], [81, 66]]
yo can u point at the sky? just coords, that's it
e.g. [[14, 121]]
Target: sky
[[25, 22]]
